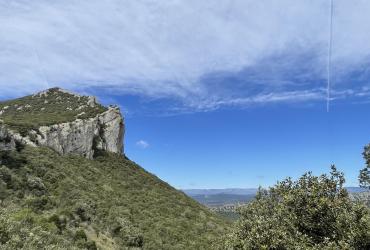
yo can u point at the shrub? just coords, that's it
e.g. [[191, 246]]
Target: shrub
[[80, 235], [4, 235], [84, 211], [90, 245], [126, 233], [35, 183], [82, 241], [12, 160], [3, 191], [364, 176], [60, 221], [5, 174], [310, 213], [38, 204]]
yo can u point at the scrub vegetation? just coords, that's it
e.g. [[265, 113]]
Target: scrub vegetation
[[313, 212], [49, 201], [69, 202]]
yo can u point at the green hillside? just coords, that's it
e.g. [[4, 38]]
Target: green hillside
[[50, 201], [74, 203]]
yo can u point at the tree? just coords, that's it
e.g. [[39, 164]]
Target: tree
[[313, 212], [364, 176]]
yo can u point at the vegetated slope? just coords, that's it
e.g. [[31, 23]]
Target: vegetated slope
[[69, 202], [47, 108]]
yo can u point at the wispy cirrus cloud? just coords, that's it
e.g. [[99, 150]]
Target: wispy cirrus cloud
[[203, 54]]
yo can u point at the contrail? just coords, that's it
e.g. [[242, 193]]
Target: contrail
[[330, 45]]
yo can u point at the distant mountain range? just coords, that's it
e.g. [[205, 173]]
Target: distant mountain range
[[244, 191], [221, 197], [235, 191], [231, 196]]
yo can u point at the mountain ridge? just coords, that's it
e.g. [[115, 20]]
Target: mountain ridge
[[213, 191], [55, 200]]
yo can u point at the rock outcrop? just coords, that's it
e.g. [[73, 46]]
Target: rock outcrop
[[85, 137]]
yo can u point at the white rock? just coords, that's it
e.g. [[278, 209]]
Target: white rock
[[69, 92], [92, 101], [83, 136], [81, 107], [103, 132]]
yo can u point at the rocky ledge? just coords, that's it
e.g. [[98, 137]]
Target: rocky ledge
[[85, 137]]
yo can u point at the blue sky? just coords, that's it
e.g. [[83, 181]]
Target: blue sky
[[228, 93], [233, 147]]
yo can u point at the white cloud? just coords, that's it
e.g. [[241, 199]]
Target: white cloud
[[164, 48], [142, 144]]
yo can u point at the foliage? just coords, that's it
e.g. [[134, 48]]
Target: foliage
[[69, 202], [229, 215], [364, 176], [313, 212]]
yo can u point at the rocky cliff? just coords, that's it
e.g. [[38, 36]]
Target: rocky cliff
[[86, 127]]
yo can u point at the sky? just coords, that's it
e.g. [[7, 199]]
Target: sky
[[216, 94]]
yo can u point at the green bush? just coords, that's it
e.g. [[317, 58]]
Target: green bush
[[313, 212], [4, 193], [5, 175], [4, 235], [60, 221], [80, 235], [364, 176], [90, 245], [37, 204], [126, 233]]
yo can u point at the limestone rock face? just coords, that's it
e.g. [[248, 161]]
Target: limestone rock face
[[85, 137], [59, 119], [82, 136]]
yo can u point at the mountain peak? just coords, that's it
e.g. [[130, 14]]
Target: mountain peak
[[62, 120], [56, 91]]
